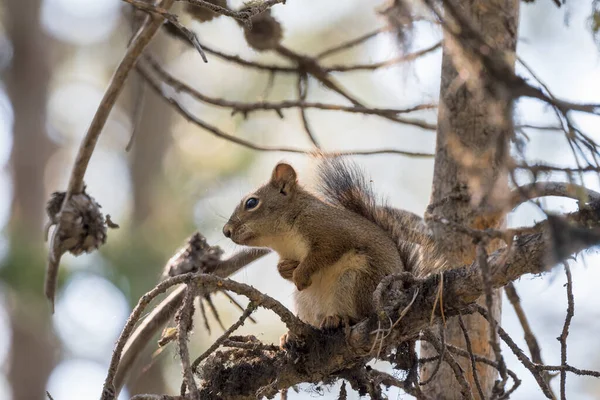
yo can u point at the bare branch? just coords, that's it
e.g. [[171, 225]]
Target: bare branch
[[462, 287], [520, 355], [244, 15], [223, 338], [542, 189], [351, 43], [173, 19], [396, 60], [108, 391], [302, 88], [458, 373], [219, 133], [167, 308], [486, 277], [565, 332], [472, 357], [135, 49], [185, 322], [245, 108], [530, 339], [495, 62]]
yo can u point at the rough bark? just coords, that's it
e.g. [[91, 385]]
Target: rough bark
[[474, 128]]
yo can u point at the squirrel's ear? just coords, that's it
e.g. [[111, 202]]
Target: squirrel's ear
[[284, 178]]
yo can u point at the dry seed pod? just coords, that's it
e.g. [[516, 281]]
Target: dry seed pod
[[265, 33], [82, 227], [196, 256], [203, 14]]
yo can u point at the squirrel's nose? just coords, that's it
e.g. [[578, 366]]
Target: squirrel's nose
[[227, 231]]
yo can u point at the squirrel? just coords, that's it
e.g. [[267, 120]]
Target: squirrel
[[335, 245]]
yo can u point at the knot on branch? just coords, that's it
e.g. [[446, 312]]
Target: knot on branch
[[82, 227], [263, 32], [395, 292], [195, 256], [204, 14], [240, 371]]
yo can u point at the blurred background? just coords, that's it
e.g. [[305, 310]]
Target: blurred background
[[56, 58]]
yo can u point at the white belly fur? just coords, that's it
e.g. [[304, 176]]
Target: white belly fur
[[331, 290]]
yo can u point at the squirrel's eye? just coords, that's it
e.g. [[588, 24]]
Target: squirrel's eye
[[251, 203]]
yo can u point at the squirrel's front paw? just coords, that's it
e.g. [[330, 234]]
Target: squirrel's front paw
[[333, 322], [301, 279], [286, 268]]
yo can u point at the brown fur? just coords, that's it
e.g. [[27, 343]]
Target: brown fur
[[335, 256]]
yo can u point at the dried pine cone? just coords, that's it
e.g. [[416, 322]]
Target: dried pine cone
[[82, 227], [265, 33], [197, 255], [203, 14]]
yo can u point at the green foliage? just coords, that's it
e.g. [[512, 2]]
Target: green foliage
[[24, 267]]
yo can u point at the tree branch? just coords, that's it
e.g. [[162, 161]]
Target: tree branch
[[322, 355], [88, 144]]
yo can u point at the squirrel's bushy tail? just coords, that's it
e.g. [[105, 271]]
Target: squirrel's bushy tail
[[343, 184]]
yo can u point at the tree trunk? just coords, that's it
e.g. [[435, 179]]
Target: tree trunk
[[33, 345], [153, 138], [471, 150]]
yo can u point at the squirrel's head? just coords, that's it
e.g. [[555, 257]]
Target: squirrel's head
[[265, 212]]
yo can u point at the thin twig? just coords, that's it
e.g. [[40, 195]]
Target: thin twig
[[185, 321], [530, 339], [519, 353], [442, 344], [249, 309], [162, 313], [386, 63], [312, 67], [302, 88], [487, 361], [209, 282], [471, 356], [108, 391], [244, 15], [489, 302], [458, 373], [137, 114], [237, 304], [565, 332], [173, 19], [135, 49], [537, 168], [244, 108], [219, 133], [214, 311], [568, 368], [351, 43]]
